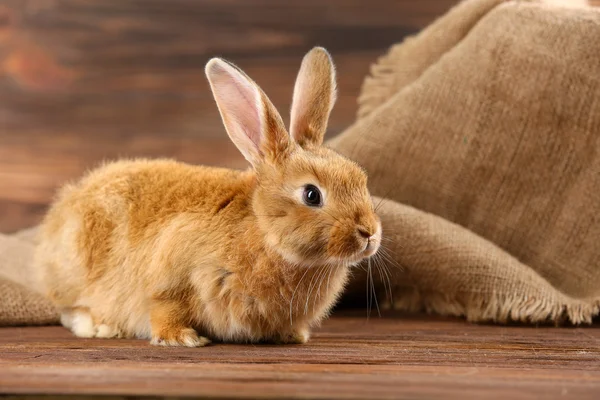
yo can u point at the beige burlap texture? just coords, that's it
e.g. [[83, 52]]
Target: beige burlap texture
[[19, 303], [490, 120], [483, 132]]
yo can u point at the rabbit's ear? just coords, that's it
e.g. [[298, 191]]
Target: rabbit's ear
[[314, 97], [251, 120]]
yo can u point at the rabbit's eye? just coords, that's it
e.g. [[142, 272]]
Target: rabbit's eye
[[312, 196]]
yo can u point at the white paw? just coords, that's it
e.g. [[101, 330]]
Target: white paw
[[104, 331], [66, 319], [185, 337], [82, 324], [198, 341]]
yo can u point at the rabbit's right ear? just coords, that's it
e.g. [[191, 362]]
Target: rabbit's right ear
[[314, 97], [251, 120]]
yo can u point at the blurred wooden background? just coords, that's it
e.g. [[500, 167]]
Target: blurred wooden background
[[87, 80]]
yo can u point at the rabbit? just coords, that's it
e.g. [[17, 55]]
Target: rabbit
[[183, 255]]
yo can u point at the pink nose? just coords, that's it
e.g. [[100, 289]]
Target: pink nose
[[364, 233]]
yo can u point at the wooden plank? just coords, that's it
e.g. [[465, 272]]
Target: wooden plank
[[350, 357], [302, 381]]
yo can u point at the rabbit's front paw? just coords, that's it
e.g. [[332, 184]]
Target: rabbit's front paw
[[300, 336], [186, 337]]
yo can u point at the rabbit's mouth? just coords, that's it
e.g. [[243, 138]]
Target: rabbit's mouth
[[371, 243], [358, 245], [369, 250]]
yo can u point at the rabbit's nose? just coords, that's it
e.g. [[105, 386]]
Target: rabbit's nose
[[364, 232]]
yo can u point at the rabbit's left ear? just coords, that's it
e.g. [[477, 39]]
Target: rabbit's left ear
[[251, 120], [314, 97]]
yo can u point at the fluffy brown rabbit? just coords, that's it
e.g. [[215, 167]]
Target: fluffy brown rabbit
[[167, 251]]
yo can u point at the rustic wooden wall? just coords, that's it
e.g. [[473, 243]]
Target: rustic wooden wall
[[86, 80]]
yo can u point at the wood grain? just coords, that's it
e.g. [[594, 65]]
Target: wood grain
[[397, 356], [86, 80]]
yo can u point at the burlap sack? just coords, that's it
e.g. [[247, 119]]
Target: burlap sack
[[489, 122], [490, 118], [19, 303]]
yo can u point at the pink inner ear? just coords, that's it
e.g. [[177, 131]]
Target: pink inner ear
[[300, 106], [240, 105]]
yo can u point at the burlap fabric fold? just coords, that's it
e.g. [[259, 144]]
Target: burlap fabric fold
[[483, 132], [490, 120], [20, 304]]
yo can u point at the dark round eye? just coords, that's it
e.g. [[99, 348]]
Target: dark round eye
[[312, 196]]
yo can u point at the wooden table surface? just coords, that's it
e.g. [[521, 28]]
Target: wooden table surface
[[397, 356]]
